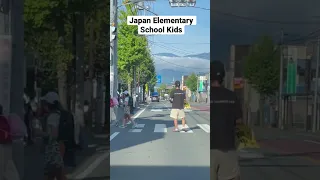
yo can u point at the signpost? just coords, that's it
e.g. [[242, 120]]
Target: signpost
[[291, 78], [159, 81]]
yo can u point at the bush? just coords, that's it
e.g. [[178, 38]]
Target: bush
[[245, 137], [187, 105]]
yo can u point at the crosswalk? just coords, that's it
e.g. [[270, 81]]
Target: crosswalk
[[163, 128]]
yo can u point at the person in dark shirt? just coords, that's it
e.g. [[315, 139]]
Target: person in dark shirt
[[177, 111], [225, 115]]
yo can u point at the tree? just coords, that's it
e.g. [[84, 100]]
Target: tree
[[162, 88], [262, 69], [191, 82], [47, 22], [133, 51]]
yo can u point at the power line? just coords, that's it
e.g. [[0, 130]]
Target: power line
[[181, 43], [176, 64], [264, 20], [184, 52]]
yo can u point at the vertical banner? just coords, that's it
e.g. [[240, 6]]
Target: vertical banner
[[5, 72]]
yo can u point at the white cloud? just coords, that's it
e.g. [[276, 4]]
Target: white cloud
[[192, 64]]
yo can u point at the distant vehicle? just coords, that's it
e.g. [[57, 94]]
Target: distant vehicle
[[155, 97]]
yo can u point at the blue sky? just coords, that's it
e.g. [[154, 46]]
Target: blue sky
[[196, 38]]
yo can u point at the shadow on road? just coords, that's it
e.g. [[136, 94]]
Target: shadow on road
[[159, 172], [131, 139]]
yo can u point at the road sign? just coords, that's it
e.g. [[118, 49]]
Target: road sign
[[291, 78], [159, 79]]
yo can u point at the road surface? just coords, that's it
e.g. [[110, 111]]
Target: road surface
[[282, 155], [154, 151]]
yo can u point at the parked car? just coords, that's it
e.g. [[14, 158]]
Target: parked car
[[155, 97]]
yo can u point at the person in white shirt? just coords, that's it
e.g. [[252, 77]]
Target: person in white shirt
[[127, 115]]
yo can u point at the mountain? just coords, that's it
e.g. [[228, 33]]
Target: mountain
[[201, 55], [171, 66], [166, 54]]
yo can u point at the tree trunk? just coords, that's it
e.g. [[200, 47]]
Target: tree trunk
[[91, 112], [261, 114], [62, 88]]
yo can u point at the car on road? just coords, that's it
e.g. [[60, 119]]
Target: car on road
[[155, 97]]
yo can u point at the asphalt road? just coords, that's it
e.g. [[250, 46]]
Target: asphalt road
[[283, 155], [154, 151]]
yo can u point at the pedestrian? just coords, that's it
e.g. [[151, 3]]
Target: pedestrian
[[8, 170], [54, 148], [226, 113], [127, 114], [67, 136], [177, 112], [18, 132], [28, 117], [113, 103]]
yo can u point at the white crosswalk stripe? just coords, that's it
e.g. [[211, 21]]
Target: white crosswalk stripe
[[162, 128], [186, 127], [204, 127]]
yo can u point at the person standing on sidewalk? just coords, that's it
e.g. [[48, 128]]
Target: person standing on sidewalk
[[54, 149], [225, 114], [8, 170], [178, 97]]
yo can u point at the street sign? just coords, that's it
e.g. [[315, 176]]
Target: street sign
[[159, 79], [238, 83], [291, 78]]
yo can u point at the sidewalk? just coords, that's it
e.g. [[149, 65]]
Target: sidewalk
[[200, 106], [33, 158]]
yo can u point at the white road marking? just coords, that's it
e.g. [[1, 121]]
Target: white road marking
[[186, 126], [114, 135], [156, 110], [204, 127], [139, 113], [135, 130], [160, 128], [140, 126], [310, 141], [92, 166]]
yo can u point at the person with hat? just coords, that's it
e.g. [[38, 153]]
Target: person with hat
[[54, 149], [127, 112], [225, 114], [178, 97]]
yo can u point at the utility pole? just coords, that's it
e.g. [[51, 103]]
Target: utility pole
[[114, 48], [17, 77], [315, 99], [280, 103]]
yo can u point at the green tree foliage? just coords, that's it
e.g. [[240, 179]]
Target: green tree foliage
[[47, 21], [133, 51], [262, 67], [191, 82]]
